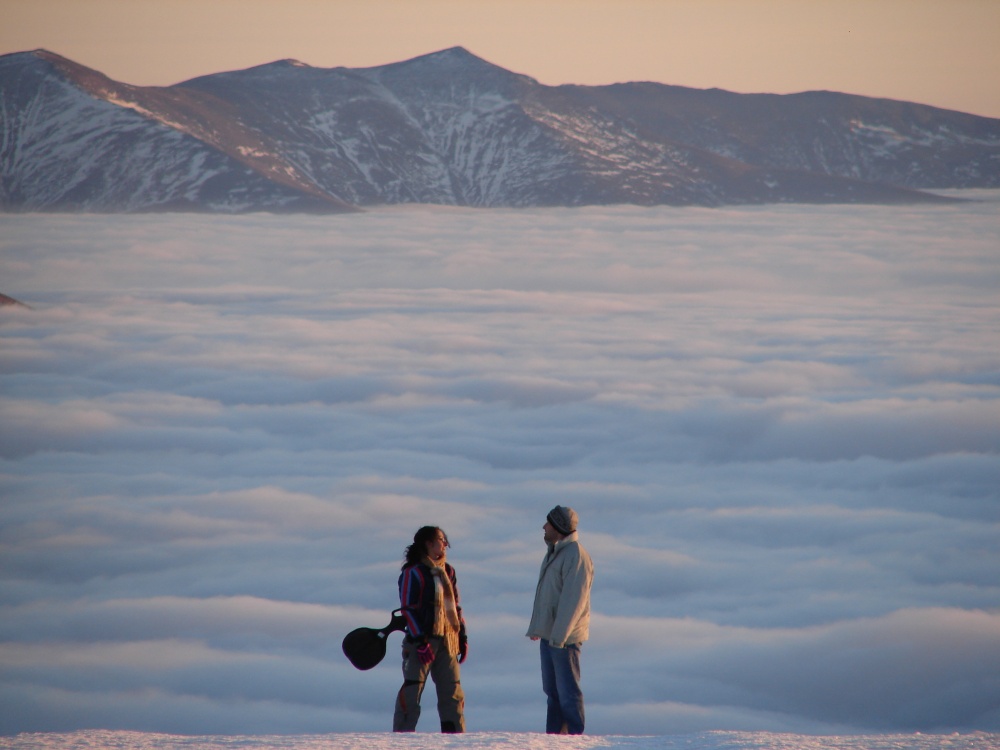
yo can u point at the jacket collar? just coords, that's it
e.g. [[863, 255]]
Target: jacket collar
[[566, 540]]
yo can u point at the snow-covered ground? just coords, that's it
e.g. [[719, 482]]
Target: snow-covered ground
[[98, 739]]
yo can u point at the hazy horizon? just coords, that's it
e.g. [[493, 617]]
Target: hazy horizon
[[937, 52]]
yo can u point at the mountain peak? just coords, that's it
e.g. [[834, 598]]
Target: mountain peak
[[43, 62], [288, 62], [450, 56], [450, 64], [29, 56], [457, 53], [450, 59]]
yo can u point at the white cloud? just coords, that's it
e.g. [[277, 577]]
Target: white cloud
[[779, 426]]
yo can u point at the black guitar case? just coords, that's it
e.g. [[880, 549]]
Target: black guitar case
[[365, 647]]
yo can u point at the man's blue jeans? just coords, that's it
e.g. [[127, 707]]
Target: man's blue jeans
[[561, 683]]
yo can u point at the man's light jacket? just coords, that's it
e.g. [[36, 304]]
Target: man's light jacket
[[561, 614]]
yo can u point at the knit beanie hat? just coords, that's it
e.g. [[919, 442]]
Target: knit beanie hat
[[563, 519]]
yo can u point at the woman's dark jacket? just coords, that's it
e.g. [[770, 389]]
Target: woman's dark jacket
[[416, 597]]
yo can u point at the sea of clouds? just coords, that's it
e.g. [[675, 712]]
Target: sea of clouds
[[780, 427]]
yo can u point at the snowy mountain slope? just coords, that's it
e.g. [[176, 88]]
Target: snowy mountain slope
[[338, 128], [74, 139], [451, 128], [446, 128], [880, 140]]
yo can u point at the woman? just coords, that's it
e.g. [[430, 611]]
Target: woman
[[435, 642]]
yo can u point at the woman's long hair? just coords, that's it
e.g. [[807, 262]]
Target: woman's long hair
[[418, 550]]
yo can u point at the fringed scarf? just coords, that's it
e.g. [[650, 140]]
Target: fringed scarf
[[446, 619]]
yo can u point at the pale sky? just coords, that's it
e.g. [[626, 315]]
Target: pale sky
[[939, 52]]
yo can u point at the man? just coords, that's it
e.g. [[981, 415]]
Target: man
[[560, 620]]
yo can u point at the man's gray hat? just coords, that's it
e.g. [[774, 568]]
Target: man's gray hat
[[563, 519]]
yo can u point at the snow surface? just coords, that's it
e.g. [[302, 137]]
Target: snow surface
[[500, 741]]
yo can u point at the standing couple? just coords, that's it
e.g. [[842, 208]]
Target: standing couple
[[436, 643]]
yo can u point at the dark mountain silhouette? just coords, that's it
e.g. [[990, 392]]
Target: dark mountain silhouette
[[6, 301]]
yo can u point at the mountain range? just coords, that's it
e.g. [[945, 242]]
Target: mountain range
[[451, 128]]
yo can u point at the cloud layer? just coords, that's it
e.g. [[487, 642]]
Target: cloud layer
[[780, 427]]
